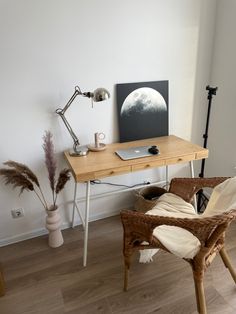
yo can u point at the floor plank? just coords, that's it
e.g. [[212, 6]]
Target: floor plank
[[53, 281]]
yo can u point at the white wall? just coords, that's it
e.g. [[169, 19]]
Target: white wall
[[222, 158], [203, 73], [203, 68], [50, 46]]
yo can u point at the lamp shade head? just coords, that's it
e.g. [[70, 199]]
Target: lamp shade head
[[100, 94]]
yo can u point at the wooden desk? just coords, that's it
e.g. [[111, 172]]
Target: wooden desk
[[97, 165]]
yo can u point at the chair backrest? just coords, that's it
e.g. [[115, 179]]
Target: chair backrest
[[187, 187]]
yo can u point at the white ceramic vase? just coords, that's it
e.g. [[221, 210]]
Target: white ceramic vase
[[53, 225]]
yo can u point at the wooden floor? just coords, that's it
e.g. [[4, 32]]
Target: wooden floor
[[52, 281]]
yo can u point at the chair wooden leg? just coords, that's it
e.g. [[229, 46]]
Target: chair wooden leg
[[227, 263], [2, 284], [200, 296], [197, 295], [126, 277]]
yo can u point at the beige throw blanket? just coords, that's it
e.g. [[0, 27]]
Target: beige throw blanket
[[178, 240]]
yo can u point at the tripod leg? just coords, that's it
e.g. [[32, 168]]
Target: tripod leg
[[199, 200]]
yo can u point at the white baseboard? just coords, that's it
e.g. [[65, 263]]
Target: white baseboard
[[42, 231], [66, 225], [39, 232]]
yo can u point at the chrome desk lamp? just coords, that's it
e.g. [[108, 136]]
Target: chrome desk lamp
[[99, 94]]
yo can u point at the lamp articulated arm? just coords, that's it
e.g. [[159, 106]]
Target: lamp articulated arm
[[61, 113], [99, 94]]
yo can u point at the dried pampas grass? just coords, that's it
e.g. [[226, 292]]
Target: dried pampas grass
[[24, 170], [21, 176], [64, 176], [17, 179], [50, 160]]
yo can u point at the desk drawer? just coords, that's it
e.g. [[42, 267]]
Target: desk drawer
[[148, 165], [178, 160], [112, 172]]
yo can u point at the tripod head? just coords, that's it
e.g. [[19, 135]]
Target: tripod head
[[211, 91]]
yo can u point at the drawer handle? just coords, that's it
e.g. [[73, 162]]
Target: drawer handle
[[180, 159], [147, 166], [112, 172]]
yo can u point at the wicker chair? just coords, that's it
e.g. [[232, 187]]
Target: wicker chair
[[210, 231]]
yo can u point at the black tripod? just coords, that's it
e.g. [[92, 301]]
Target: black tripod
[[201, 197]]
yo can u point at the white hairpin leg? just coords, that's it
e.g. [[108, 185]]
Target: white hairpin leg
[[86, 224], [167, 177], [191, 169], [84, 218], [192, 176], [74, 205]]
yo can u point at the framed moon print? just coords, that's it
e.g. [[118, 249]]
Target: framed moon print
[[142, 110]]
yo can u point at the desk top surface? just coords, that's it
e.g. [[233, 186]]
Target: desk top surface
[[106, 163]]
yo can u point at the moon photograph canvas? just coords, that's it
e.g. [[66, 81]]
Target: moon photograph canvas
[[142, 110]]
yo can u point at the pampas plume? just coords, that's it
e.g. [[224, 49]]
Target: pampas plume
[[49, 158], [17, 179], [21, 168], [64, 176]]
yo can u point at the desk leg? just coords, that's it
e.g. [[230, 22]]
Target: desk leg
[[86, 224], [192, 176], [167, 177], [191, 169], [74, 205]]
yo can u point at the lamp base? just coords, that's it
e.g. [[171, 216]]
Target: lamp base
[[80, 151]]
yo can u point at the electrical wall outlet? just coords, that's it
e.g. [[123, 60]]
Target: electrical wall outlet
[[17, 213]]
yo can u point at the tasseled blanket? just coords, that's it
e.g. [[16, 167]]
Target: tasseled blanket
[[178, 240]]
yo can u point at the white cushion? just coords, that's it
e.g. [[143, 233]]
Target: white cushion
[[177, 240], [223, 198]]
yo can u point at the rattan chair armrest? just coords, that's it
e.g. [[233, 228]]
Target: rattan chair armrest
[[186, 188], [138, 225]]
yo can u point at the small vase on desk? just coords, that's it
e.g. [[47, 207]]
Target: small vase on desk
[[53, 225]]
